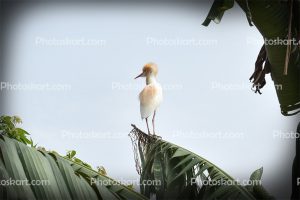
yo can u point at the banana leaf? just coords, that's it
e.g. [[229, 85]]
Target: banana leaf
[[58, 177], [172, 172], [273, 18]]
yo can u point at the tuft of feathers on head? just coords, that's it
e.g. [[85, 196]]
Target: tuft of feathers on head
[[150, 68]]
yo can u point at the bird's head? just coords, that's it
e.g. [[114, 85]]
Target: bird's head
[[150, 69]]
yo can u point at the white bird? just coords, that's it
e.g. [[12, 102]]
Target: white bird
[[151, 96]]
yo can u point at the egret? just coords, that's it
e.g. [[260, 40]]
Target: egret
[[151, 96]]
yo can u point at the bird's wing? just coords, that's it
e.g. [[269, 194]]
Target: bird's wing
[[150, 98]]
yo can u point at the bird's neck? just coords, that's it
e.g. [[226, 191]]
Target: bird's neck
[[150, 80]]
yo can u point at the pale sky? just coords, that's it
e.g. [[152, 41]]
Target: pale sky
[[93, 52]]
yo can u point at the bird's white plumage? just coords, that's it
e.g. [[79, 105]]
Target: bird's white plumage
[[150, 99], [151, 96]]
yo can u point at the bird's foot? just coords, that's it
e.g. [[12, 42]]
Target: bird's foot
[[157, 136]]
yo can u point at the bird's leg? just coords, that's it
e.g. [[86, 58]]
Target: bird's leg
[[153, 122], [147, 126]]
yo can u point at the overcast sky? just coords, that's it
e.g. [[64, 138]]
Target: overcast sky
[[72, 70]]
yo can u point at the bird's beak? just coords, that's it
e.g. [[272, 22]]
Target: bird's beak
[[141, 75]]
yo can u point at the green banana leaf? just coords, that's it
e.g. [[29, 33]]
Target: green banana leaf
[[217, 11], [59, 177], [172, 172], [271, 18], [68, 177]]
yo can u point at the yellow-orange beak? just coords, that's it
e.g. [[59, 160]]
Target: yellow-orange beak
[[141, 75]]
